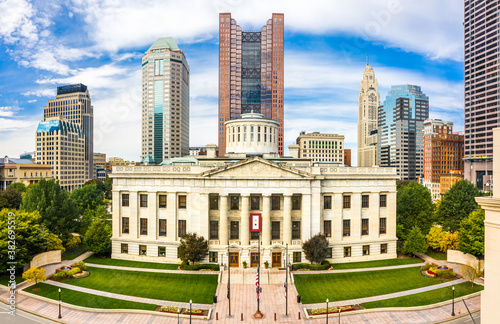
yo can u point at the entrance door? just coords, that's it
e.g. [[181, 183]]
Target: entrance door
[[254, 259], [276, 259], [234, 259]]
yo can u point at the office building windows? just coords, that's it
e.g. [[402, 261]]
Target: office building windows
[[125, 200], [346, 201], [162, 201], [275, 230], [144, 200], [235, 230], [295, 230], [383, 200], [125, 228], [182, 202], [364, 226], [383, 225], [214, 202], [275, 202], [214, 230], [162, 231], [365, 201], [144, 226]]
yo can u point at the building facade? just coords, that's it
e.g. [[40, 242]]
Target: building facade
[[100, 159], [252, 134], [251, 75], [22, 170], [73, 103], [369, 102], [401, 131], [165, 101], [61, 144], [481, 64], [347, 157], [443, 153], [321, 147]]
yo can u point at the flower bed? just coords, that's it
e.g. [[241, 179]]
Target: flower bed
[[432, 271], [183, 311], [334, 309], [74, 273]]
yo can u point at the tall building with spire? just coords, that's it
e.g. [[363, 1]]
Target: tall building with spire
[[165, 102], [369, 101], [250, 73]]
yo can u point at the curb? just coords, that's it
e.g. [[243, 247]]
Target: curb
[[30, 312]]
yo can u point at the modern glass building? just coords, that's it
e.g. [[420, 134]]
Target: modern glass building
[[401, 131], [250, 73], [165, 101]]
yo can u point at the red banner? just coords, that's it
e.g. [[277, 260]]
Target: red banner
[[255, 222]]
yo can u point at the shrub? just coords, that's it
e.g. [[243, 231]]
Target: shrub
[[323, 266], [446, 274], [426, 266], [60, 275], [73, 241], [73, 271], [170, 309], [193, 311], [194, 267], [81, 265]]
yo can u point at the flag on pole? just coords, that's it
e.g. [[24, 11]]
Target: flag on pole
[[285, 289], [257, 283]]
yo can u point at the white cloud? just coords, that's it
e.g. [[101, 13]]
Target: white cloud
[[16, 21], [32, 101], [6, 111], [41, 93]]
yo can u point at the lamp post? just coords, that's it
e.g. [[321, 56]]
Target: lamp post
[[190, 310], [286, 280], [327, 311], [228, 279], [59, 304], [453, 302], [339, 315]]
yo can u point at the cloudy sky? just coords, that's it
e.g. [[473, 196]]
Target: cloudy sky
[[100, 43]]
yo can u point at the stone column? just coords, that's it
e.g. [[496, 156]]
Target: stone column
[[152, 216], [287, 220], [223, 229], [171, 217], [356, 216], [134, 219], [374, 215], [116, 214], [245, 220], [266, 220]]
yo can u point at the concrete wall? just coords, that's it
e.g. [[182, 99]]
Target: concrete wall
[[45, 258], [459, 257]]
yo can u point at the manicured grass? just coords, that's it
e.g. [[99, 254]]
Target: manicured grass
[[132, 264], [375, 264], [316, 288], [4, 279], [87, 300], [436, 255], [426, 298], [165, 286], [73, 252]]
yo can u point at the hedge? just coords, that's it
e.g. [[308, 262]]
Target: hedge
[[210, 266], [323, 266]]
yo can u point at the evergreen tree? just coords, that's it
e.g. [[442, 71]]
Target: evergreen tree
[[415, 243], [11, 198], [193, 248], [98, 237]]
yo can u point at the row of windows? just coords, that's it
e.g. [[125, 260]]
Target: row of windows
[[346, 227], [162, 201], [255, 202], [346, 201], [162, 227]]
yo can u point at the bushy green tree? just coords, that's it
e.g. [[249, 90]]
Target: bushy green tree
[[59, 213], [55, 243], [435, 237], [19, 186], [89, 196], [193, 248], [415, 243], [472, 233], [90, 215], [414, 208], [11, 198], [98, 237], [35, 275], [457, 204], [316, 249]]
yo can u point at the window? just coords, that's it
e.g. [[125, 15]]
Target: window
[[142, 250], [125, 200], [366, 250], [254, 235], [383, 248], [125, 229], [296, 200], [144, 226], [214, 202], [327, 202], [161, 251], [347, 251], [364, 226], [235, 230], [235, 202], [182, 228], [182, 202], [296, 230], [254, 202], [383, 200], [162, 201], [347, 201], [365, 201], [297, 257], [382, 225], [275, 230], [327, 228], [347, 227], [213, 257], [163, 227], [214, 230], [275, 202], [329, 253], [124, 248], [144, 200]]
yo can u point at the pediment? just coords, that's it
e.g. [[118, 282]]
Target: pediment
[[256, 168]]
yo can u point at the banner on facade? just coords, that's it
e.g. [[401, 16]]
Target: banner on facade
[[255, 222]]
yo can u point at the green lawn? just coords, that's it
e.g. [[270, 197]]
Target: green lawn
[[436, 255], [132, 264], [426, 298], [316, 288], [375, 264], [165, 286], [73, 252], [4, 279], [87, 300]]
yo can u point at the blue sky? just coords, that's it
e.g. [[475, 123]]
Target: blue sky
[[100, 43]]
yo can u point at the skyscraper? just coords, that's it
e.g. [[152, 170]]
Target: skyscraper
[[369, 101], [481, 65], [73, 103], [165, 101], [400, 131], [250, 73]]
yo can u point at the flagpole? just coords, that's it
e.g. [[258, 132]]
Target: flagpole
[[286, 280], [258, 283], [228, 279]]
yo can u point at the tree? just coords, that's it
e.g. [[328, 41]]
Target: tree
[[471, 272], [414, 208], [89, 216], [316, 249], [59, 213], [450, 241], [89, 196], [73, 241], [11, 198], [55, 243], [435, 237], [472, 233], [29, 235], [19, 186], [457, 204], [193, 248], [98, 237], [35, 275], [415, 243]]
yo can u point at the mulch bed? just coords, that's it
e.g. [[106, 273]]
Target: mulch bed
[[350, 309], [204, 312]]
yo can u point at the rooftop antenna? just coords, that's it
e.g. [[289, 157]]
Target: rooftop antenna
[[367, 61]]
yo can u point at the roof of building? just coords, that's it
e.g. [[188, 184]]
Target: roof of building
[[148, 159], [184, 159], [15, 161], [165, 42]]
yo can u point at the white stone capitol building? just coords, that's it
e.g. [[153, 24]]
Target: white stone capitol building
[[154, 205]]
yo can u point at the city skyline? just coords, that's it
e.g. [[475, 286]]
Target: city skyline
[[324, 62]]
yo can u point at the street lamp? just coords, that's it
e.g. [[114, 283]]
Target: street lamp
[[59, 304], [190, 310], [453, 302], [327, 311]]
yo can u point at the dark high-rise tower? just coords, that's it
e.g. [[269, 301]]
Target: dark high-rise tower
[[250, 73]]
